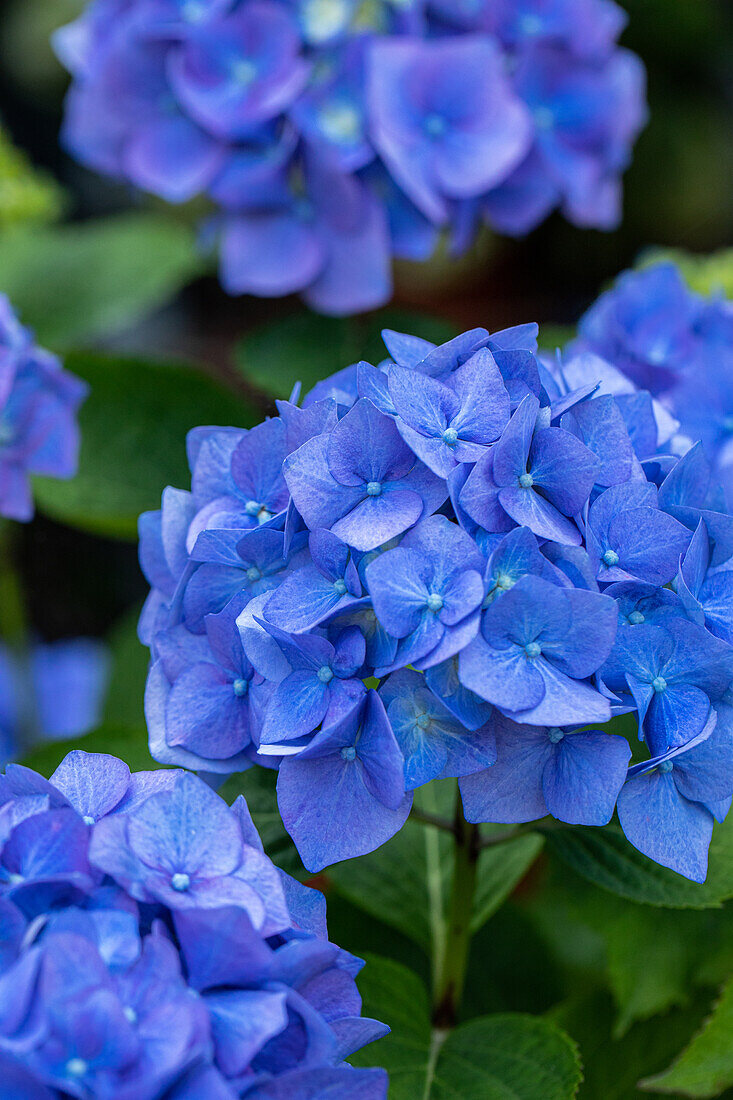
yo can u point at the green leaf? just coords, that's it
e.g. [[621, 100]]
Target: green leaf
[[612, 1067], [130, 659], [502, 1057], [74, 283], [500, 870], [406, 881], [130, 744], [705, 1067], [133, 426], [604, 857], [555, 336], [306, 348]]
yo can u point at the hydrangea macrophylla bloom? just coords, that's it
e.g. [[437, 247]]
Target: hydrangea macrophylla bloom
[[434, 743], [536, 648], [351, 771], [362, 481], [674, 671], [39, 402], [330, 137], [404, 607], [523, 479], [661, 336], [679, 787], [574, 775], [151, 948]]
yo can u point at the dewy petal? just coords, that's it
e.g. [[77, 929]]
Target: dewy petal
[[663, 825]]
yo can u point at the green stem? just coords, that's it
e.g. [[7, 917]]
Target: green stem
[[452, 974]]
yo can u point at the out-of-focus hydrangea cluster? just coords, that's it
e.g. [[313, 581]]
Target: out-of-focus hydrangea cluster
[[38, 409], [332, 135], [149, 949], [678, 345], [462, 562], [53, 693]]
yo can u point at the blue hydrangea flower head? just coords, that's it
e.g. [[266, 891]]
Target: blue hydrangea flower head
[[330, 136], [39, 402], [151, 948], [464, 562]]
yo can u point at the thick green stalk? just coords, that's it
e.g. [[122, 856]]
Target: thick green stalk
[[452, 973]]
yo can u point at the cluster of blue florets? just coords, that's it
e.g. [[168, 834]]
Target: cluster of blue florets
[[676, 344], [334, 134], [38, 407], [149, 949], [460, 563]]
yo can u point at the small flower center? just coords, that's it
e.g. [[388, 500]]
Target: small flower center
[[666, 767], [243, 71], [503, 581], [88, 820], [422, 721], [340, 587], [728, 425], [14, 879], [659, 684], [434, 602], [636, 618], [610, 558], [253, 574], [555, 735], [435, 125], [530, 24], [193, 11], [374, 488], [325, 674], [450, 437], [130, 1014], [240, 688], [543, 118], [526, 481], [340, 123], [323, 18], [533, 649], [348, 753], [180, 881], [76, 1067]]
